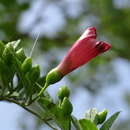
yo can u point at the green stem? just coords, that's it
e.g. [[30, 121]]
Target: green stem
[[27, 109], [43, 89]]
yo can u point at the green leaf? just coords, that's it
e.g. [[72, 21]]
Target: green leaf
[[107, 124], [87, 125]]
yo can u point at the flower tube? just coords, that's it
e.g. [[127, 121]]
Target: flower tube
[[85, 49]]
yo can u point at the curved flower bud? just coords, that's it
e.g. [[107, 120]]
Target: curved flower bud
[[85, 49]]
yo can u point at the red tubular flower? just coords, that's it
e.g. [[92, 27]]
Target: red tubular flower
[[85, 49]]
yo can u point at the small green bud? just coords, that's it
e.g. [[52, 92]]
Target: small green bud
[[27, 65], [66, 106], [63, 92], [2, 46], [53, 76], [34, 73], [8, 54], [102, 116], [20, 55]]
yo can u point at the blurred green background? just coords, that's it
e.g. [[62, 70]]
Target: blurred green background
[[102, 83]]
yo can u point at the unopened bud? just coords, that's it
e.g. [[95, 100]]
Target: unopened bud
[[27, 65], [102, 116], [63, 92]]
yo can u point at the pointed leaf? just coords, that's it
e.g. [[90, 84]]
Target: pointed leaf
[[107, 125]]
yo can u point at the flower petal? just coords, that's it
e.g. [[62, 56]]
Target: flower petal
[[85, 49]]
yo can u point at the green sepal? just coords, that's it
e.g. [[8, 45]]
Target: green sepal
[[53, 76]]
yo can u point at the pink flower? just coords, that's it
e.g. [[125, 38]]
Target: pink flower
[[84, 49]]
